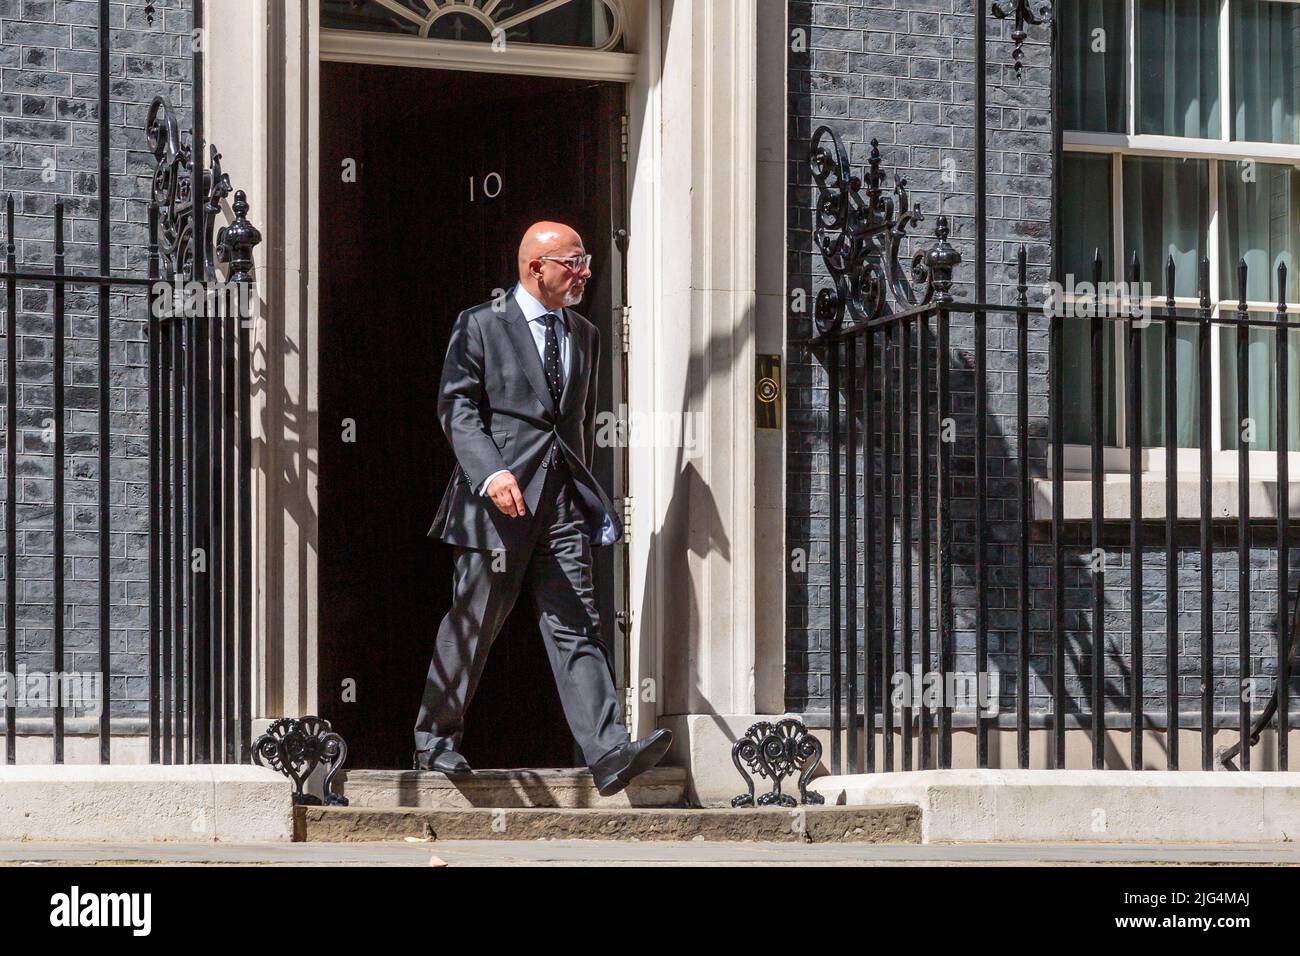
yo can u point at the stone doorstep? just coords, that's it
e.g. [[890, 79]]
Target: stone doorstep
[[185, 803], [899, 824], [1084, 806], [563, 788]]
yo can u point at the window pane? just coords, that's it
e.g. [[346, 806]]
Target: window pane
[[1077, 381], [1260, 223], [1166, 213], [1187, 382], [1086, 213], [1265, 37], [1262, 388], [581, 23], [1178, 68], [344, 15], [1086, 209], [1093, 65]]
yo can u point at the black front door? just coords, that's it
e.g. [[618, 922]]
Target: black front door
[[427, 181]]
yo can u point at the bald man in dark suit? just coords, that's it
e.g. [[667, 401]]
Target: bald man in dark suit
[[517, 401]]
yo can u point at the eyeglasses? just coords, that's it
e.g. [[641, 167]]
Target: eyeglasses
[[572, 263]]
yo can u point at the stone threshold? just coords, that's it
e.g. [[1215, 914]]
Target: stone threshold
[[571, 788], [882, 824]]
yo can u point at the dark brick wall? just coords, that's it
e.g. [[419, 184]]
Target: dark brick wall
[[902, 72], [49, 138]]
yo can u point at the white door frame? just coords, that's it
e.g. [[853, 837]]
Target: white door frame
[[700, 662], [640, 76]]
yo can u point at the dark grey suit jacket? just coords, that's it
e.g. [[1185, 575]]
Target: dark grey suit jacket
[[497, 412]]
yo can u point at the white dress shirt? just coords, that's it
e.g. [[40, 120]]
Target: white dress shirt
[[534, 313]]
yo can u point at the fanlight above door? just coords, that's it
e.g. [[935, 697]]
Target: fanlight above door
[[587, 24]]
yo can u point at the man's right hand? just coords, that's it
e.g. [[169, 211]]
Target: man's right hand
[[505, 494]]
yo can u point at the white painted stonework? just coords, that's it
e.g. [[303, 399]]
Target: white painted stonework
[[706, 286], [182, 804], [1097, 806]]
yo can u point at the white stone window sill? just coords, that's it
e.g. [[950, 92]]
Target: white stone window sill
[[1077, 499]]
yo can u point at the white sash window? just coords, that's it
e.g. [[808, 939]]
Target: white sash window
[[1182, 138]]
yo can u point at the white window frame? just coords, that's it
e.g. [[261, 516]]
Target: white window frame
[[530, 59], [1263, 464]]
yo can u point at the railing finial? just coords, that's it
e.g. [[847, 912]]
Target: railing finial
[[235, 242], [940, 261]]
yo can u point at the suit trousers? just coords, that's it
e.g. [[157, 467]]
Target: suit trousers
[[556, 567]]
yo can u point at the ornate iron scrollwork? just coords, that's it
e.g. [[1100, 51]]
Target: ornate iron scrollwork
[[171, 192], [497, 22], [1023, 13], [859, 230], [295, 747], [774, 752]]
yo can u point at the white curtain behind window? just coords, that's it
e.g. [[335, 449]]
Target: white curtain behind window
[[1264, 64], [1087, 217], [1178, 68], [1187, 381], [1166, 214], [1093, 64], [1262, 398]]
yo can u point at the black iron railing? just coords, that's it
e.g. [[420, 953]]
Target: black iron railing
[[200, 441], [199, 657], [900, 464], [885, 333]]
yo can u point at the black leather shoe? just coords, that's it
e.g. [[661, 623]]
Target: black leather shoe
[[447, 761], [615, 770]]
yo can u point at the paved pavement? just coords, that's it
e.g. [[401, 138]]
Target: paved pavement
[[624, 853]]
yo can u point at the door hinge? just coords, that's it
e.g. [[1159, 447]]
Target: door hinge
[[624, 327], [625, 513], [622, 122]]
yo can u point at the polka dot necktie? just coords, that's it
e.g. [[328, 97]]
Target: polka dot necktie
[[551, 365]]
